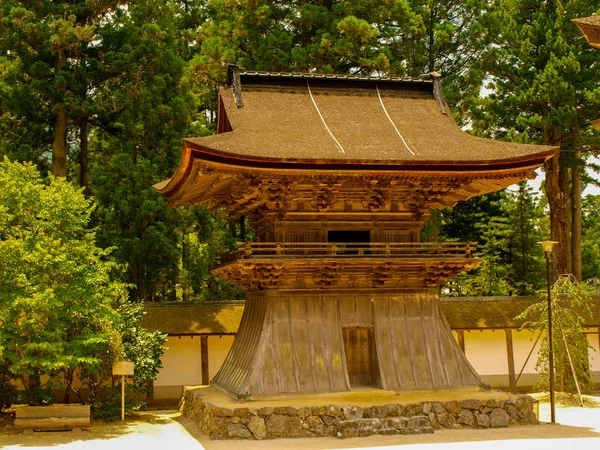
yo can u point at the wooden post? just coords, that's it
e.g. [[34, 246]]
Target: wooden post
[[510, 356], [122, 398], [204, 358], [461, 339]]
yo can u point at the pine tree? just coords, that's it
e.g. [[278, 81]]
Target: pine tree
[[544, 90]]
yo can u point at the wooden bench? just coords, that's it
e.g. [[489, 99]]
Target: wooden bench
[[52, 417]]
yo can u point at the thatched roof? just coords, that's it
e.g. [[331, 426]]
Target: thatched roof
[[495, 312], [590, 27], [303, 125], [193, 318], [307, 118], [463, 313]]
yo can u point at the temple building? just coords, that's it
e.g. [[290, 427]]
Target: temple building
[[337, 175], [590, 27]]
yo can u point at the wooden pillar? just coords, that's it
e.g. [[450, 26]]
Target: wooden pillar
[[204, 358], [510, 356], [461, 339]]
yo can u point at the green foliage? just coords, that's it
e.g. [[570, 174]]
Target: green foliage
[[332, 37], [570, 310], [543, 83], [61, 310], [133, 78], [8, 389], [108, 406], [56, 289], [455, 33], [508, 230], [591, 238]]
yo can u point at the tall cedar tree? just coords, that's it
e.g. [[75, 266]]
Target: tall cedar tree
[[48, 52], [544, 82], [455, 34]]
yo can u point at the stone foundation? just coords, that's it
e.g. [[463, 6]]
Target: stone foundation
[[343, 421]]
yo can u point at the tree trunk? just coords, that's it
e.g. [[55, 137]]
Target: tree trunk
[[59, 145], [576, 217], [83, 155], [558, 201]]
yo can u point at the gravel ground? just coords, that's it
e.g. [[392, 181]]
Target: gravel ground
[[578, 428]]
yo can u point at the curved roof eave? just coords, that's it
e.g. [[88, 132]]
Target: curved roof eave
[[193, 151]]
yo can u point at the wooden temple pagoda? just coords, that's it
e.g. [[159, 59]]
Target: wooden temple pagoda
[[337, 175], [590, 27]]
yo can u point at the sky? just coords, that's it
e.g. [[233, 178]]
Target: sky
[[594, 190]]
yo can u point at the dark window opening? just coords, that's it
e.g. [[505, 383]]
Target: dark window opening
[[348, 236], [357, 241]]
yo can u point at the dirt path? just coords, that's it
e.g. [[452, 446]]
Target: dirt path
[[579, 429]]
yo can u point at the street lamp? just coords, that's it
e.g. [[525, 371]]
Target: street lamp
[[547, 247]]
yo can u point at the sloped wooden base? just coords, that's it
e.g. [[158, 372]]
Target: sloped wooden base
[[316, 341]]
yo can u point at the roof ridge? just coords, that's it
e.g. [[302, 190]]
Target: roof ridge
[[326, 76]]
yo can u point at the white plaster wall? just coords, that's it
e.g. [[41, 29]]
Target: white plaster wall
[[486, 351], [181, 362], [594, 357], [522, 344], [218, 348]]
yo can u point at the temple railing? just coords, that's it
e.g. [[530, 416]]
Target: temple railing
[[287, 250]]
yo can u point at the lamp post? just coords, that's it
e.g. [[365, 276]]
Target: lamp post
[[547, 247]]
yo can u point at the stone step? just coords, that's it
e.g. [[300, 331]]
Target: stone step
[[388, 426]]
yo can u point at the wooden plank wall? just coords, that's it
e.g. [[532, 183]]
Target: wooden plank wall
[[295, 343]]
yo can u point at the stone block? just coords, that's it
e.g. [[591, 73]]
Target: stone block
[[331, 421], [344, 434], [246, 419], [413, 409], [217, 437], [352, 412], [319, 410], [499, 418], [433, 420], [368, 424], [427, 407], [396, 422], [238, 431], [445, 419], [217, 425], [453, 407], [304, 412], [217, 411], [379, 412], [470, 404], [492, 403], [285, 411], [241, 412], [483, 420], [438, 407], [347, 425], [266, 411], [466, 418], [334, 410], [511, 409], [257, 427], [315, 425], [418, 422], [524, 403]]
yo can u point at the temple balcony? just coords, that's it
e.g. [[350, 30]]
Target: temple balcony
[[350, 265]]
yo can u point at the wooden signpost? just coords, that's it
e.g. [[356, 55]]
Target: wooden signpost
[[123, 368]]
